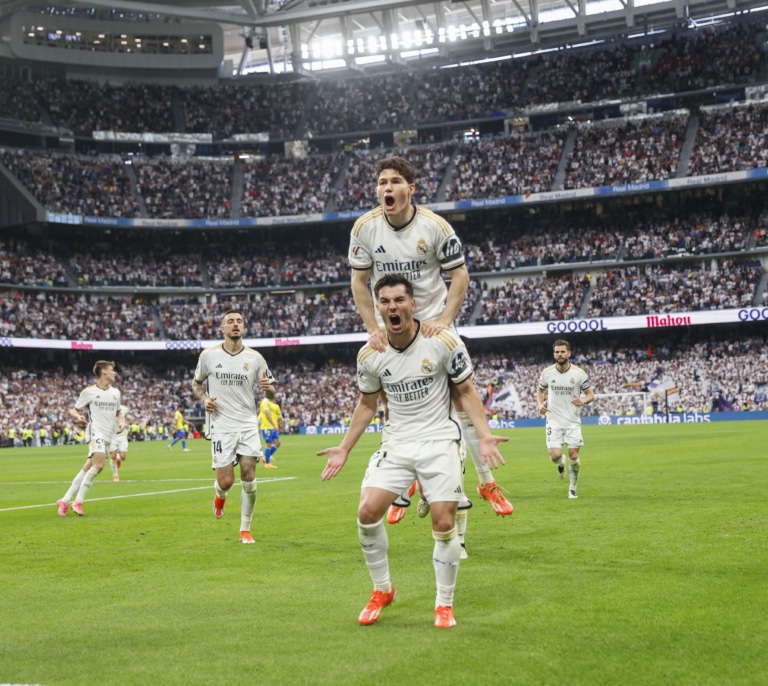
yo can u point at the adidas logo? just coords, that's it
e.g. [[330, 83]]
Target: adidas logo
[[387, 373], [380, 250], [219, 366]]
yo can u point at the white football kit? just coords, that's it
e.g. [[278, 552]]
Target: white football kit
[[121, 439], [233, 427], [103, 406], [419, 251], [421, 438], [563, 417]]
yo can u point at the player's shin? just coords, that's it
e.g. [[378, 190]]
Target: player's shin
[[247, 504], [375, 545], [445, 558]]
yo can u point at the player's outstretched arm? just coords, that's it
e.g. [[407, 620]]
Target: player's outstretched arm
[[473, 406], [337, 456]]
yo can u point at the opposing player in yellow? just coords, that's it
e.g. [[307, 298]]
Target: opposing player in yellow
[[179, 432], [270, 419]]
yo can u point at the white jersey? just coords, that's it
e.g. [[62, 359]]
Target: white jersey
[[231, 380], [562, 388], [419, 251], [415, 381], [124, 414], [103, 406]]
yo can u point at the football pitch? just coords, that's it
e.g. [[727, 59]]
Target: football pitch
[[655, 575]]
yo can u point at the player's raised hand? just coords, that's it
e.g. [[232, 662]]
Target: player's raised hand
[[489, 450], [337, 458]]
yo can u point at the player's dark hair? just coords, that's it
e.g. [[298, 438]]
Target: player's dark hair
[[562, 342], [230, 311], [401, 166], [390, 280], [102, 364]]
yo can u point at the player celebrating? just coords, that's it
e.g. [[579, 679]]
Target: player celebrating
[[230, 370], [270, 418], [398, 237], [421, 440], [559, 395], [103, 402], [119, 452], [179, 432]]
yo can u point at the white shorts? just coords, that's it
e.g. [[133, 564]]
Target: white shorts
[[436, 464], [557, 436], [97, 444], [120, 443], [227, 449]]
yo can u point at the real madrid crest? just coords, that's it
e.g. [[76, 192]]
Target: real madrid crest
[[426, 367], [421, 247], [246, 367]]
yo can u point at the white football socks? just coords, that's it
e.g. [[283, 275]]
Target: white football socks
[[445, 558], [247, 504], [375, 544]]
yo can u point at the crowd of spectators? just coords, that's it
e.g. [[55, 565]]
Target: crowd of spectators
[[25, 265], [674, 288], [730, 139], [646, 289], [186, 188], [642, 149], [128, 267], [501, 166], [628, 150], [677, 61], [278, 186], [72, 184], [535, 299], [80, 317]]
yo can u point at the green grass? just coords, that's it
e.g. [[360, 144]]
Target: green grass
[[655, 575]]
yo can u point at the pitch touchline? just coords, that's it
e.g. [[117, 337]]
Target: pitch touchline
[[138, 495]]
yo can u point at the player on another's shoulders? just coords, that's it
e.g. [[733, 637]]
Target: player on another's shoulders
[[563, 390], [397, 237]]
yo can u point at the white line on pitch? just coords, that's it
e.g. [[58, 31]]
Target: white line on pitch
[[136, 495]]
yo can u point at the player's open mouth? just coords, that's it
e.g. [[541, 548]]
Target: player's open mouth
[[389, 201], [394, 320]]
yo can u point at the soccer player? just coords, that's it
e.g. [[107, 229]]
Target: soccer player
[[270, 418], [421, 441], [563, 390], [119, 452], [224, 381], [179, 432], [399, 238], [102, 400]]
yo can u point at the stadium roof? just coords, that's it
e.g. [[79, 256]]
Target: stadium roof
[[369, 35]]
